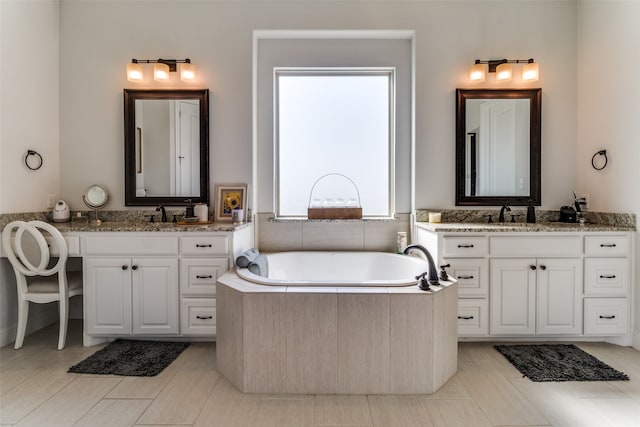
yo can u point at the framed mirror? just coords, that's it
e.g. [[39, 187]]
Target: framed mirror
[[166, 147], [498, 147]]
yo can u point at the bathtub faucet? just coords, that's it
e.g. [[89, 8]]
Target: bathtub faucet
[[432, 274]]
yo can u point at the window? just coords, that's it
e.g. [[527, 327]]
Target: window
[[339, 123]]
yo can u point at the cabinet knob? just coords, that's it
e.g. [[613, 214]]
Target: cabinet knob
[[543, 267], [134, 267], [533, 267], [124, 267]]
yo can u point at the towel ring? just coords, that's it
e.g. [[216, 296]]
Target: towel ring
[[602, 153], [29, 163]]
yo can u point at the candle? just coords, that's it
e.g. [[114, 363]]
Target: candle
[[435, 217]]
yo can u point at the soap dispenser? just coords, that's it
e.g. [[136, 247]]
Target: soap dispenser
[[531, 212]]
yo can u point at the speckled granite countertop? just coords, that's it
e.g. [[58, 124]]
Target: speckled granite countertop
[[521, 227], [84, 227]]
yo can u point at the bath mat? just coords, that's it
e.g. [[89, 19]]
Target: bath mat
[[558, 362], [131, 358]]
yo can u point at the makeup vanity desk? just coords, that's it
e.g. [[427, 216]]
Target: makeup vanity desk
[[152, 279], [543, 281]]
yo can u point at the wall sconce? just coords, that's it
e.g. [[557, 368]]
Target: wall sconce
[[503, 69], [161, 69]]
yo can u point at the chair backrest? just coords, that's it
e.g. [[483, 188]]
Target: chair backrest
[[13, 244]]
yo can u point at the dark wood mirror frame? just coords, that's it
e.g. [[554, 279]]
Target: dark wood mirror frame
[[130, 97], [535, 191]]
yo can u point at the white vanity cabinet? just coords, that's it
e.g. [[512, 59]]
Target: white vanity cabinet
[[131, 285], [522, 283]]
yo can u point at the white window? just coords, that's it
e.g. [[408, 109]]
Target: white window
[[337, 124]]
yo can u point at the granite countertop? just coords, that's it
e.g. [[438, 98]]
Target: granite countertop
[[119, 226], [521, 227]]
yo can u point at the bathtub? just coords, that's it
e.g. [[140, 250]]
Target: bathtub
[[338, 269]]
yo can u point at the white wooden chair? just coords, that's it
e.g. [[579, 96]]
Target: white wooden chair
[[38, 282]]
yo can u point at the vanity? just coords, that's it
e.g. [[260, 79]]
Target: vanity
[[553, 281], [152, 279]]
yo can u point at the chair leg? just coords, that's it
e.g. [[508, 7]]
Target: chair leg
[[21, 329], [63, 305]]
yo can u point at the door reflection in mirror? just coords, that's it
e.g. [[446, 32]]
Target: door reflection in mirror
[[497, 147], [167, 147]]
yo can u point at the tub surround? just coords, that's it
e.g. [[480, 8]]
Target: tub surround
[[335, 340]]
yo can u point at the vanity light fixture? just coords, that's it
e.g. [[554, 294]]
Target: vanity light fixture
[[503, 69], [161, 69]]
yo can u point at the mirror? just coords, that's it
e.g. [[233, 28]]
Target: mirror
[[166, 139], [498, 147], [96, 197]]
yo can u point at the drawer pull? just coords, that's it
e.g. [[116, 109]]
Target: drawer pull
[[608, 317], [204, 277], [470, 245], [204, 317], [464, 277], [465, 317], [607, 276], [198, 245], [607, 245]]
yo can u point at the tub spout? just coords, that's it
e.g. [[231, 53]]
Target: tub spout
[[432, 274]]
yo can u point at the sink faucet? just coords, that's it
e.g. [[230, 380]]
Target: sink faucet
[[432, 274], [502, 209], [164, 213]]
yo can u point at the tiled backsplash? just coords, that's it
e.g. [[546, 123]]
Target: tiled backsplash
[[348, 235]]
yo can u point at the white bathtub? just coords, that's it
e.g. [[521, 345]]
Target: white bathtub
[[339, 269]]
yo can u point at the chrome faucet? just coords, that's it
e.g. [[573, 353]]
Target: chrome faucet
[[164, 213], [432, 274], [502, 209]]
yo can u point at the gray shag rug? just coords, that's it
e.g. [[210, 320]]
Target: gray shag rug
[[558, 362], [131, 358]]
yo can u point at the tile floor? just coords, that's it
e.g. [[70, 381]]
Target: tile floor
[[36, 390]]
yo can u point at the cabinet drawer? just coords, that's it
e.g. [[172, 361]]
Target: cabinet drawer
[[473, 247], [198, 276], [473, 317], [131, 245], [541, 246], [613, 246], [471, 274], [73, 245], [198, 316], [605, 316], [204, 245], [606, 277]]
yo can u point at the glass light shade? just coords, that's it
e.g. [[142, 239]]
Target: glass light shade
[[503, 72], [476, 73], [530, 72], [160, 72], [134, 72], [187, 72]]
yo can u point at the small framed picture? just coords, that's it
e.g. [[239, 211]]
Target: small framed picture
[[229, 198]]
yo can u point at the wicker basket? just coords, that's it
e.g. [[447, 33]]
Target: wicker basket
[[334, 212]]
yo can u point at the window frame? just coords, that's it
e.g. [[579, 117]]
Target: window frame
[[390, 72]]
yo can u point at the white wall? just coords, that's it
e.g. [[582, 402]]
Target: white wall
[[98, 38], [29, 103], [608, 88]]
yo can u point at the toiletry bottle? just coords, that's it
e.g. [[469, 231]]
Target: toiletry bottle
[[531, 212]]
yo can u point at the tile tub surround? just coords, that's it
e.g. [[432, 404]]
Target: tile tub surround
[[327, 340], [618, 221]]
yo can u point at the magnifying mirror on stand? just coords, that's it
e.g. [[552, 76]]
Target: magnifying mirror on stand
[[96, 197]]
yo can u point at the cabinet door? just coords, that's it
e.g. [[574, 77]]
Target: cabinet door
[[107, 296], [512, 296], [559, 297], [155, 296]]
